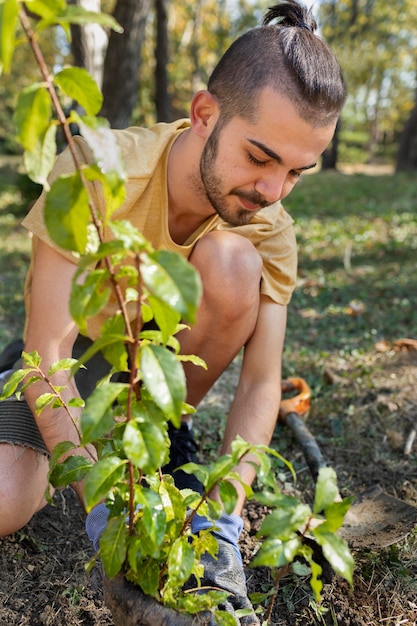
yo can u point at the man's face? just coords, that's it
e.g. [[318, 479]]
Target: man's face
[[247, 166]]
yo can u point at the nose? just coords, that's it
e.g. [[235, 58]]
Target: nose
[[272, 187]]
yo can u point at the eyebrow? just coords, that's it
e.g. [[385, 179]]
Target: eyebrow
[[273, 155]]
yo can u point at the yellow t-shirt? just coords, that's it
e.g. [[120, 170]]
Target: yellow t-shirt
[[145, 156]]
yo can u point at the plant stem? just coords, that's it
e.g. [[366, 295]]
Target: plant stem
[[62, 120], [283, 571]]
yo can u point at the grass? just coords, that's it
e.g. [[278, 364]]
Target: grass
[[15, 251], [357, 239]]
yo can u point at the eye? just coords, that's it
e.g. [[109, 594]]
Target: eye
[[256, 161], [295, 174]]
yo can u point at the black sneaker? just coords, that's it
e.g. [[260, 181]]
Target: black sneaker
[[183, 450]]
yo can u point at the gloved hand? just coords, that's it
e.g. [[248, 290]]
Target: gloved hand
[[95, 523], [226, 570]]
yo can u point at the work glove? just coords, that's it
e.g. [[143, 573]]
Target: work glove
[[225, 571], [95, 523]]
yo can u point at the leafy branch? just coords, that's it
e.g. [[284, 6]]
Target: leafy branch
[[148, 535]]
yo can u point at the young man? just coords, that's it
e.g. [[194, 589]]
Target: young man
[[209, 188]]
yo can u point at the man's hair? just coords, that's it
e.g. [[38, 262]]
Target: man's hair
[[286, 55]]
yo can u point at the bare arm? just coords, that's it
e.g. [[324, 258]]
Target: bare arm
[[52, 333], [254, 411]]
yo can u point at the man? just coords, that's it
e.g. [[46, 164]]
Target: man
[[209, 188]]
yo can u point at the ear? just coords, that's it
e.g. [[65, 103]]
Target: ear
[[204, 113]]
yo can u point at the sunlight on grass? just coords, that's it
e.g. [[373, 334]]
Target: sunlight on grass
[[357, 237], [14, 258]]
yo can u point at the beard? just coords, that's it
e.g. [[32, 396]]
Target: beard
[[212, 187]]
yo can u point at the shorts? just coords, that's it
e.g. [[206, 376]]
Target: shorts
[[17, 424]]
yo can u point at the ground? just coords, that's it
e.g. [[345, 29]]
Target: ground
[[42, 576]]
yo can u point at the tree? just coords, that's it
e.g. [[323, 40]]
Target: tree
[[113, 60], [407, 151], [162, 99], [122, 62], [375, 43]]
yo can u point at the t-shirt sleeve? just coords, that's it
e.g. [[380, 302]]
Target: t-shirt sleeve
[[272, 233]]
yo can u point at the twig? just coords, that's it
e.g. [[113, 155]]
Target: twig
[[62, 120], [410, 441]]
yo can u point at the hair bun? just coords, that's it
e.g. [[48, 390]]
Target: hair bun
[[290, 13]]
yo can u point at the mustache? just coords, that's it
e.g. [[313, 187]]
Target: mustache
[[251, 196]]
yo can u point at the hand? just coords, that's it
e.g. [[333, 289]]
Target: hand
[[226, 572]]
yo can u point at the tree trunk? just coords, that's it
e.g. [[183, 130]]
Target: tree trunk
[[162, 99], [89, 42], [407, 151], [122, 63], [330, 155]]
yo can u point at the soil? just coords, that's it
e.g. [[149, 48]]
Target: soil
[[43, 581]]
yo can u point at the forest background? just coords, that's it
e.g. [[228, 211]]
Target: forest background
[[168, 49], [353, 316]]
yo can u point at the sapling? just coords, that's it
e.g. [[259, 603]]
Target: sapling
[[148, 537]]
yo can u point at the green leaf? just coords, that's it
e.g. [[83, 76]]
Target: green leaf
[[336, 551], [31, 359], [59, 450], [283, 522], [173, 280], [166, 318], [113, 543], [164, 379], [131, 238], [40, 161], [72, 470], [77, 15], [103, 143], [44, 400], [32, 115], [326, 489], [335, 515], [276, 553], [151, 523], [61, 366], [145, 445], [114, 347], [47, 9], [13, 383], [8, 23], [316, 571], [97, 417], [148, 578], [67, 213], [79, 85], [228, 495], [90, 297], [180, 561], [175, 508], [101, 479]]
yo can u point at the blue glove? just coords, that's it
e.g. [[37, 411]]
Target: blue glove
[[227, 527], [225, 571], [95, 523]]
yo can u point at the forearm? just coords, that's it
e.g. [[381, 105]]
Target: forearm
[[253, 417], [60, 424], [254, 411]]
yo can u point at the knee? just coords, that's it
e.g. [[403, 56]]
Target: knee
[[230, 268], [23, 482]]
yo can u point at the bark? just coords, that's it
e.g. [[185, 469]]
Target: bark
[[89, 42], [162, 98], [122, 63], [407, 151], [330, 155]]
